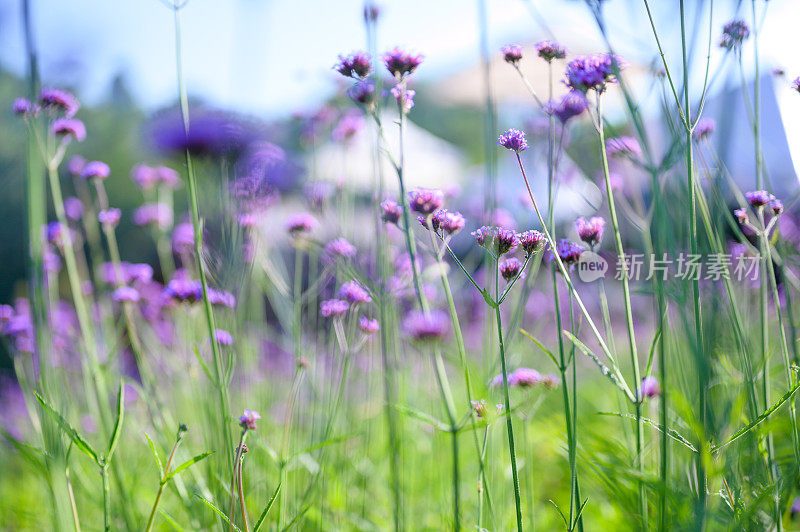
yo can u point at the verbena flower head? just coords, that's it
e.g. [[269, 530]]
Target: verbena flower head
[[425, 200], [73, 208], [168, 177], [54, 232], [158, 214], [183, 238], [348, 126], [704, 128], [591, 72], [181, 288], [513, 139], [109, 217], [340, 247], [333, 307], [549, 50], [510, 268], [591, 230], [400, 63], [59, 100], [367, 325], [624, 147], [531, 241], [391, 211], [363, 92], [126, 294], [223, 337], [144, 176], [796, 84], [741, 216], [95, 170], [447, 221], [429, 326], [734, 34], [483, 235], [758, 198], [569, 252], [248, 419], [480, 408], [524, 378], [572, 104], [512, 53], [371, 11], [776, 206], [68, 128], [75, 165], [354, 293], [23, 107], [504, 240], [650, 387], [356, 65], [404, 97], [301, 222]]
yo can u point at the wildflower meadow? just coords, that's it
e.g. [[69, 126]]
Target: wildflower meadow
[[569, 311]]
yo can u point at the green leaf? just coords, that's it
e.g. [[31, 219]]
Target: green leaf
[[543, 348], [613, 376], [73, 434], [325, 443], [171, 520], [217, 511], [747, 428], [155, 455], [422, 416], [672, 433], [197, 354], [296, 518], [563, 517], [264, 513], [652, 351], [187, 464], [112, 444]]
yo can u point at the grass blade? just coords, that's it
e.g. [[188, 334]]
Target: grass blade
[[73, 434], [112, 444], [267, 508], [187, 464], [218, 511]]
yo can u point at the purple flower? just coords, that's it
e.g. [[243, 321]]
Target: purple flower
[[126, 294], [777, 206], [447, 221], [23, 107], [623, 147], [795, 509], [650, 387], [572, 104], [144, 176], [480, 408], [733, 34], [549, 50], [221, 298], [512, 53], [158, 214], [73, 208], [504, 240], [513, 139], [371, 11], [400, 63], [248, 419], [356, 65], [741, 215], [591, 72], [531, 241], [759, 198], [368, 325], [354, 293], [59, 100], [75, 165], [183, 238], [510, 268], [301, 222], [142, 273], [212, 134], [168, 177], [109, 217], [340, 247], [362, 92], [390, 211], [333, 307], [483, 235], [223, 337], [348, 126], [569, 252], [704, 128], [425, 200], [95, 170], [524, 378], [69, 127], [181, 288], [796, 84], [55, 233], [404, 97], [591, 230], [426, 326]]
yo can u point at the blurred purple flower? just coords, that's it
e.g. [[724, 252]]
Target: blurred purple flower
[[340, 247], [549, 50], [333, 307], [69, 127], [650, 387], [362, 92], [759, 198], [126, 294], [624, 147], [301, 222], [356, 65], [428, 326], [404, 97], [591, 230], [400, 63], [158, 214], [223, 337], [512, 53], [592, 72], [348, 126], [569, 252], [59, 100], [75, 165], [95, 170], [391, 211], [183, 238], [531, 241], [425, 200], [368, 325], [248, 419], [354, 293], [572, 104], [524, 378], [704, 128], [510, 268], [734, 34], [73, 208], [23, 107], [109, 217]]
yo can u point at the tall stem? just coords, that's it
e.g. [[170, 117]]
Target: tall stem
[[106, 499]]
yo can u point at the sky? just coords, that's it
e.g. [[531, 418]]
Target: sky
[[273, 57]]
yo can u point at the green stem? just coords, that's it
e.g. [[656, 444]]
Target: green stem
[[106, 499]]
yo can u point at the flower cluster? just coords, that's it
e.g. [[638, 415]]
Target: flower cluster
[[592, 72], [531, 242], [549, 50], [496, 240], [357, 65], [514, 140], [591, 230], [426, 326], [512, 53], [425, 201], [570, 105], [734, 34], [390, 211], [704, 128], [624, 147], [400, 63], [569, 252]]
